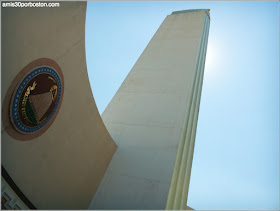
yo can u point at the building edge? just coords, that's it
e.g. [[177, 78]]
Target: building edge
[[177, 199]]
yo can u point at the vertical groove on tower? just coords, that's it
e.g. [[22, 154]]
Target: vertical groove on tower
[[192, 140], [178, 191], [175, 188]]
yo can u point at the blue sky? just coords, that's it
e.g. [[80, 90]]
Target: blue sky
[[236, 157]]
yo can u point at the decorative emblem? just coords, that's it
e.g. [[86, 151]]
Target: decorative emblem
[[35, 99]]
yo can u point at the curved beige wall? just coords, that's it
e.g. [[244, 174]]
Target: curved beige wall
[[62, 168]]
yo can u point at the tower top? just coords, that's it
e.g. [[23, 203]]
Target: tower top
[[191, 10]]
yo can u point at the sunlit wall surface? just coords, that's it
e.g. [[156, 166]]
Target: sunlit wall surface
[[236, 157]]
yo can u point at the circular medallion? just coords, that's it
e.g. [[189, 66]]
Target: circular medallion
[[33, 99]]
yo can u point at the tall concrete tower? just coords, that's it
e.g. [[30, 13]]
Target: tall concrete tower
[[153, 118]]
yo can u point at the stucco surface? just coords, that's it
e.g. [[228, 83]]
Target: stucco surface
[[62, 168]]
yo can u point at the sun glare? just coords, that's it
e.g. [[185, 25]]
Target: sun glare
[[210, 57], [212, 62]]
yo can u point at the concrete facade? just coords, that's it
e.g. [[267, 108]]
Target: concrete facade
[[61, 168], [153, 118]]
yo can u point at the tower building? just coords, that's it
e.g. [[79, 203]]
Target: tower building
[[153, 118]]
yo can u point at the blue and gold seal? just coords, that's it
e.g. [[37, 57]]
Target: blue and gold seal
[[35, 100]]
